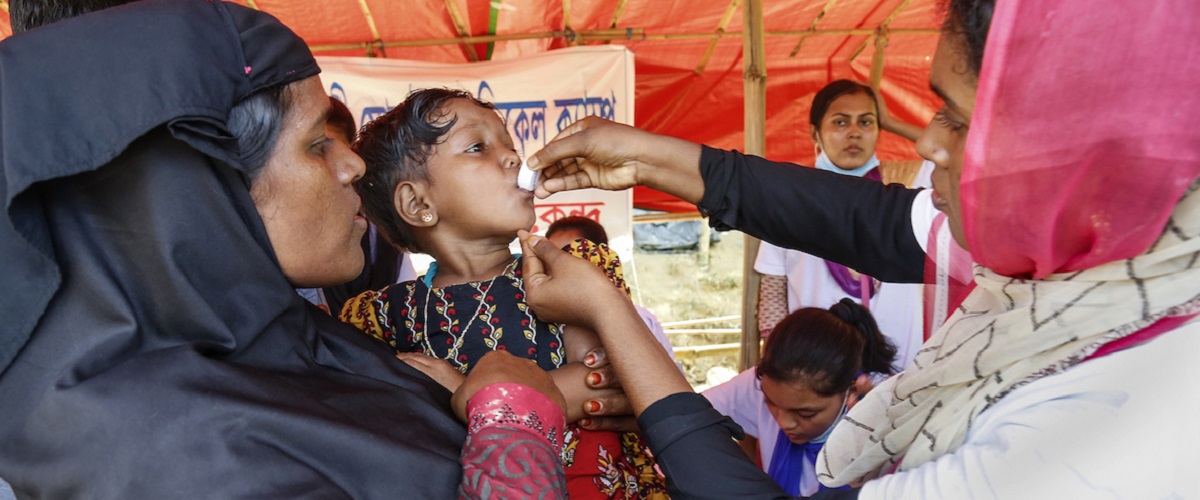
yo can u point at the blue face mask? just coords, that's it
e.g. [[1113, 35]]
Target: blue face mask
[[824, 163], [825, 435]]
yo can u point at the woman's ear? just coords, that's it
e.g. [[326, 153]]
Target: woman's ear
[[413, 206], [814, 134], [862, 385]]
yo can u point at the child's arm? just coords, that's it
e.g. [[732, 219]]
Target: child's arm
[[575, 379], [437, 369], [578, 341]]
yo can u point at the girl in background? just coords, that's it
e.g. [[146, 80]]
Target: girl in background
[[844, 123], [804, 384]]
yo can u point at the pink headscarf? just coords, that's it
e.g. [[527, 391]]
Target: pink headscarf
[[1117, 142]]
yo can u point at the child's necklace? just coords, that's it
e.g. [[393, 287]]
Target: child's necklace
[[462, 333]]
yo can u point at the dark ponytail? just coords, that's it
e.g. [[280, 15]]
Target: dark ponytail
[[878, 352], [827, 349]]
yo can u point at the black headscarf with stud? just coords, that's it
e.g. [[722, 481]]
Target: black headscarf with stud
[[150, 346]]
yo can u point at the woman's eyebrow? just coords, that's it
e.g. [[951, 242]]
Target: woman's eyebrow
[[324, 118], [942, 95], [321, 121], [847, 115]]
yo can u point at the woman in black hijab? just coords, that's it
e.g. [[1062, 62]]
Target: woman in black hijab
[[167, 182]]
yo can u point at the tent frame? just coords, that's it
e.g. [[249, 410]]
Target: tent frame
[[754, 79], [601, 35]]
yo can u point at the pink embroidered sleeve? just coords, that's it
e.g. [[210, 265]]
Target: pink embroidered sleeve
[[514, 438]]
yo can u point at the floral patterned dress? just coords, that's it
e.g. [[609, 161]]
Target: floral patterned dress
[[460, 323]]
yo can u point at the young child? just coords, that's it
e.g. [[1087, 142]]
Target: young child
[[441, 179]]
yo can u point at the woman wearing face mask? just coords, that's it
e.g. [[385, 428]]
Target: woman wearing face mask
[[1067, 371], [803, 386], [844, 124]]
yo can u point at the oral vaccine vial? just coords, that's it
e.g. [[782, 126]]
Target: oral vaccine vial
[[527, 179]]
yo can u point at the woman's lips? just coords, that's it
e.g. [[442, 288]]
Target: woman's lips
[[939, 202], [359, 216]]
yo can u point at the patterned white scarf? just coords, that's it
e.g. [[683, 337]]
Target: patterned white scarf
[[1007, 333]]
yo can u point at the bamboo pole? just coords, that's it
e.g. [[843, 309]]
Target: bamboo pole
[[461, 27], [812, 26], [697, 322], [712, 44], [755, 85], [620, 10], [882, 30], [616, 19], [599, 36], [566, 7], [701, 331], [366, 12], [876, 77], [666, 217]]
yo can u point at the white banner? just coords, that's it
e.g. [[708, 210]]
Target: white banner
[[537, 96]]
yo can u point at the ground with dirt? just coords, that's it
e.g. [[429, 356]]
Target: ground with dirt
[[677, 287]]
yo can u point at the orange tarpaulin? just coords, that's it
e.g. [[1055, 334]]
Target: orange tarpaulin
[[687, 54]]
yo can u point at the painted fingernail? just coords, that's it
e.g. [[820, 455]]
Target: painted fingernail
[[589, 360], [593, 406], [594, 379], [585, 422]]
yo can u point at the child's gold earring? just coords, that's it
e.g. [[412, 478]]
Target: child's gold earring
[[426, 217]]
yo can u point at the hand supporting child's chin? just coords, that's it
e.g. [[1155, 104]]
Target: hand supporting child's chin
[[563, 289]]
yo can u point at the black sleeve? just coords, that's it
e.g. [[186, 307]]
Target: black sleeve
[[859, 223], [693, 445]]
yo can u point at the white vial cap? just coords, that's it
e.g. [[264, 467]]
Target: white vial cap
[[527, 179]]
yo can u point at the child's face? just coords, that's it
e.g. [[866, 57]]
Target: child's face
[[473, 176]]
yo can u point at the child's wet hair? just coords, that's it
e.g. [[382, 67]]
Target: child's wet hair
[[396, 148]]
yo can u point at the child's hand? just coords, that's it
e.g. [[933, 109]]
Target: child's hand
[[578, 342], [498, 367], [593, 394], [606, 410], [437, 369]]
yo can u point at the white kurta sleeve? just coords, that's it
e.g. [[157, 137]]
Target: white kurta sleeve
[[771, 260], [1121, 426]]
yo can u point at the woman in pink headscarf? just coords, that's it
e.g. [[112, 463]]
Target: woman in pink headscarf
[[1067, 166]]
